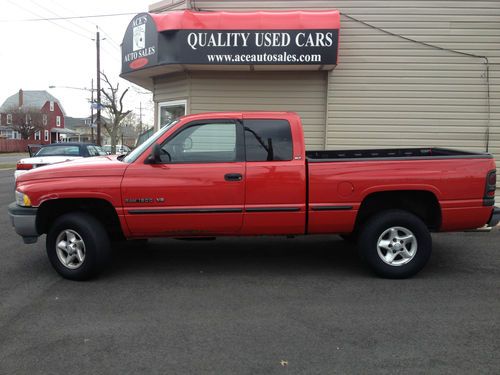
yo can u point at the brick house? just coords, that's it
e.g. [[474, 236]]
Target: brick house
[[52, 116]]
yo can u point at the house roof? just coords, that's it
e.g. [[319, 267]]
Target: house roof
[[35, 98], [79, 122], [74, 122]]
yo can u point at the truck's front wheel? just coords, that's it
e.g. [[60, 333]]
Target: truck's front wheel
[[395, 244], [78, 247]]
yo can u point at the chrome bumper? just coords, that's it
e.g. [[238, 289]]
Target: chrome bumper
[[23, 219]]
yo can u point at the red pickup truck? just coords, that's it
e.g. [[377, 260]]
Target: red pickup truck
[[247, 174]]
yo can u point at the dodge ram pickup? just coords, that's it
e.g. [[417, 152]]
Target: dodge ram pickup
[[248, 174]]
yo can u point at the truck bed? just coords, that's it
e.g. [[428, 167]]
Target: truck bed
[[393, 154]]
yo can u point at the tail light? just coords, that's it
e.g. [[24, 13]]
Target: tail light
[[24, 166], [491, 185]]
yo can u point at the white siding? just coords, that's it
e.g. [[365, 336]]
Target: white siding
[[167, 5], [301, 92]]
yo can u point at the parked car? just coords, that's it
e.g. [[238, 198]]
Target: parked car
[[119, 150], [249, 174], [56, 153]]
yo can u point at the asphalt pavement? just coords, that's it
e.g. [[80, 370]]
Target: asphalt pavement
[[249, 306], [12, 158]]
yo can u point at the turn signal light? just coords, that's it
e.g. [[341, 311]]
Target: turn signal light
[[489, 191], [24, 166], [492, 179]]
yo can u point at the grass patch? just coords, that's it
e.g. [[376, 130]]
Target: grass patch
[[7, 165]]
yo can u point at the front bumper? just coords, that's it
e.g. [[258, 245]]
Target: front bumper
[[495, 217], [23, 219]]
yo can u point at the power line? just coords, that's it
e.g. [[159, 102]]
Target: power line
[[58, 15], [113, 42], [66, 18], [55, 23], [413, 40], [429, 45], [72, 12]]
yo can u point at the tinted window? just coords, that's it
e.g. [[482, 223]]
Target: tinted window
[[268, 140], [204, 143], [59, 151], [95, 151]]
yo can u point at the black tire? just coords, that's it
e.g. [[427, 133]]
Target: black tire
[[403, 263], [351, 238], [97, 250]]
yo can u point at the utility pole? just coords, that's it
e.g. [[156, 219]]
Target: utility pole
[[92, 111], [98, 116]]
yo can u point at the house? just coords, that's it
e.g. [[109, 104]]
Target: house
[[85, 129], [53, 126]]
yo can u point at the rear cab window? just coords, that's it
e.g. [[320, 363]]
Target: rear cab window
[[268, 140]]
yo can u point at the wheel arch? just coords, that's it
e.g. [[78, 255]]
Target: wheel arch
[[422, 203], [99, 208]]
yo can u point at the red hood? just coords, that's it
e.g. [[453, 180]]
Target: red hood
[[85, 167]]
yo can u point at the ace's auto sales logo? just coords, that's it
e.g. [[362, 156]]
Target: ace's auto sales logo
[[141, 50]]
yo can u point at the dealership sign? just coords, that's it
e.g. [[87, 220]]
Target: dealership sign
[[153, 40], [140, 46]]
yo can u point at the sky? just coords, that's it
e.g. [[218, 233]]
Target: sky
[[37, 54]]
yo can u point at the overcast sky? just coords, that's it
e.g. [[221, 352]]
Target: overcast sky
[[37, 54]]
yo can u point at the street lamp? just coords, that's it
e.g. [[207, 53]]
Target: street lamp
[[98, 106]]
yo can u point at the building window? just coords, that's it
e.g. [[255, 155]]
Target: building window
[[16, 135], [9, 119], [58, 120], [37, 136], [44, 119], [169, 111], [46, 135], [51, 106]]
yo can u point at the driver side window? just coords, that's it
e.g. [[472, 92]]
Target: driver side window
[[203, 143]]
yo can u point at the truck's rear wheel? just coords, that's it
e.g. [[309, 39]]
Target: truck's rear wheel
[[78, 247], [395, 244]]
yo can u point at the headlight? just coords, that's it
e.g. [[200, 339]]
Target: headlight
[[22, 199]]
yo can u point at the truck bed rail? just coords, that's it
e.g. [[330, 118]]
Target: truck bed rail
[[393, 154]]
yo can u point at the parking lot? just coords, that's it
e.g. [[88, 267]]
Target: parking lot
[[249, 306]]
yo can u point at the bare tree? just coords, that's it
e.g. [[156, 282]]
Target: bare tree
[[26, 120], [113, 104]]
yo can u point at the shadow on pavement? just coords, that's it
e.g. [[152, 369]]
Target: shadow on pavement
[[235, 255]]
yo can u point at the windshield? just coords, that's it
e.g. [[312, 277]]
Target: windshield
[[139, 150], [59, 151], [96, 151]]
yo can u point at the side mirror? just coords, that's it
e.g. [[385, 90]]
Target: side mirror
[[155, 156]]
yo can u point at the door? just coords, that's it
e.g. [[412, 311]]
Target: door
[[198, 188], [275, 186]]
